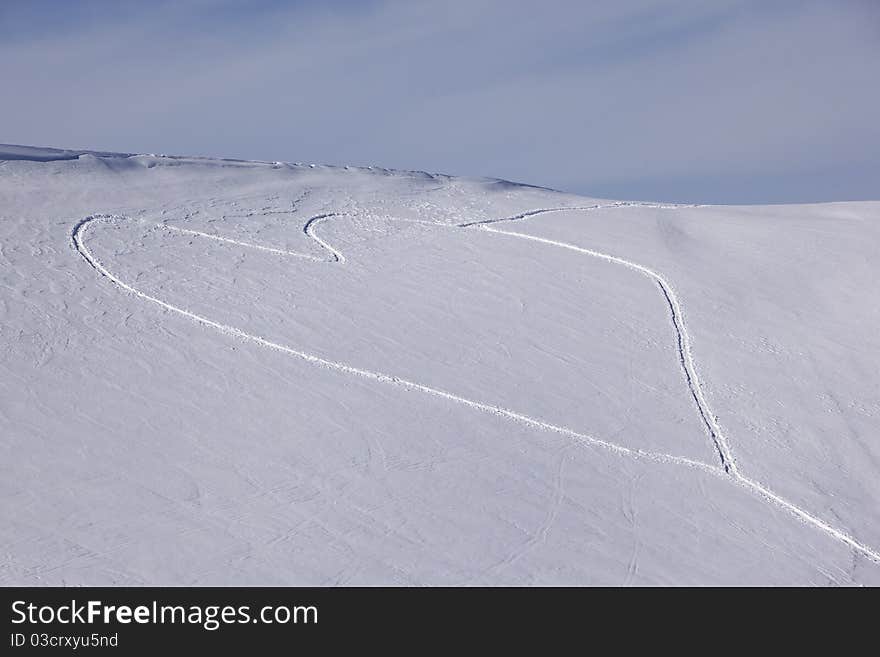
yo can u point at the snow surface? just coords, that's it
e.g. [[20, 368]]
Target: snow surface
[[221, 372]]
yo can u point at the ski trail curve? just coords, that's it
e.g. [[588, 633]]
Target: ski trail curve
[[687, 362], [309, 229], [594, 206], [683, 340], [727, 472], [249, 245], [81, 230]]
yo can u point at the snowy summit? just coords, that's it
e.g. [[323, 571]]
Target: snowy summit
[[220, 372]]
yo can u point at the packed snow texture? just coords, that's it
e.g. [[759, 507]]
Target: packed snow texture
[[217, 372]]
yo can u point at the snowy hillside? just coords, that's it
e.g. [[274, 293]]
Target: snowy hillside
[[221, 372]]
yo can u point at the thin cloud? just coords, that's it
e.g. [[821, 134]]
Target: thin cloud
[[581, 96]]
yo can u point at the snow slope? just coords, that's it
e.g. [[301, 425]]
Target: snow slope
[[224, 372]]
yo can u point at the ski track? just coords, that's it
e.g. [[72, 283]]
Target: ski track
[[727, 469], [249, 245], [309, 229], [683, 340]]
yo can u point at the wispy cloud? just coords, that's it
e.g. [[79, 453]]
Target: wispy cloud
[[641, 98]]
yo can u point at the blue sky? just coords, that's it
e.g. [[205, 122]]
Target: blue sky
[[735, 101]]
